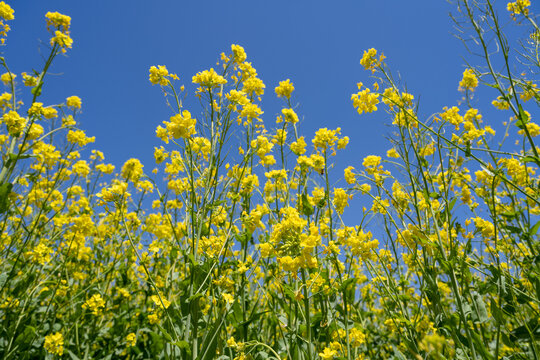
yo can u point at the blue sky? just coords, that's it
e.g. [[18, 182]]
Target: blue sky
[[316, 44]]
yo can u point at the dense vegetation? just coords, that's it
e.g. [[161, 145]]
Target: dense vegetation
[[234, 247]]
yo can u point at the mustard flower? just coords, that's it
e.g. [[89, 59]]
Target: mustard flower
[[181, 125], [6, 12], [79, 137], [284, 89], [529, 92], [58, 21], [208, 79], [62, 40], [350, 177], [81, 168], [95, 304], [153, 318], [74, 102], [365, 101], [7, 78], [14, 123], [469, 81], [325, 138], [299, 146], [239, 53], [452, 116], [160, 74], [5, 99], [289, 116], [131, 339], [392, 153], [29, 80], [328, 354], [49, 112], [253, 85], [518, 7], [341, 200], [160, 301], [370, 61], [371, 162], [533, 128], [132, 170], [54, 344], [251, 111], [501, 103]]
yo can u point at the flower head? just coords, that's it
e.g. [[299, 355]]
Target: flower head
[[284, 89], [54, 343]]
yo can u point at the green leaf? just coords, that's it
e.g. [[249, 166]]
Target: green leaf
[[398, 354], [523, 118], [36, 91], [5, 190], [480, 307], [307, 209], [24, 338], [528, 159], [167, 336], [3, 279], [497, 312], [210, 342], [534, 229]]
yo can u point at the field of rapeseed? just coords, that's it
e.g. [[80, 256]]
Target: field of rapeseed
[[234, 246]]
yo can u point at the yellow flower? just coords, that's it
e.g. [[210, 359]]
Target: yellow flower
[[370, 61], [49, 112], [469, 81], [289, 116], [7, 78], [284, 89], [153, 318], [14, 123], [131, 339], [74, 102], [159, 75], [29, 80], [518, 7], [350, 177], [299, 146], [62, 40], [253, 85], [239, 53], [251, 111], [79, 137], [365, 101], [58, 21], [81, 168], [160, 301], [392, 153], [341, 200], [500, 103], [371, 162], [328, 354], [54, 343], [95, 304], [325, 138], [208, 79], [533, 128], [181, 125], [6, 12], [160, 154], [132, 170]]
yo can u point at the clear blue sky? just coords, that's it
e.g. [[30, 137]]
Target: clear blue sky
[[317, 44]]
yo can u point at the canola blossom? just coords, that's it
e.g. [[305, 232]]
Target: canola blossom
[[237, 243]]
